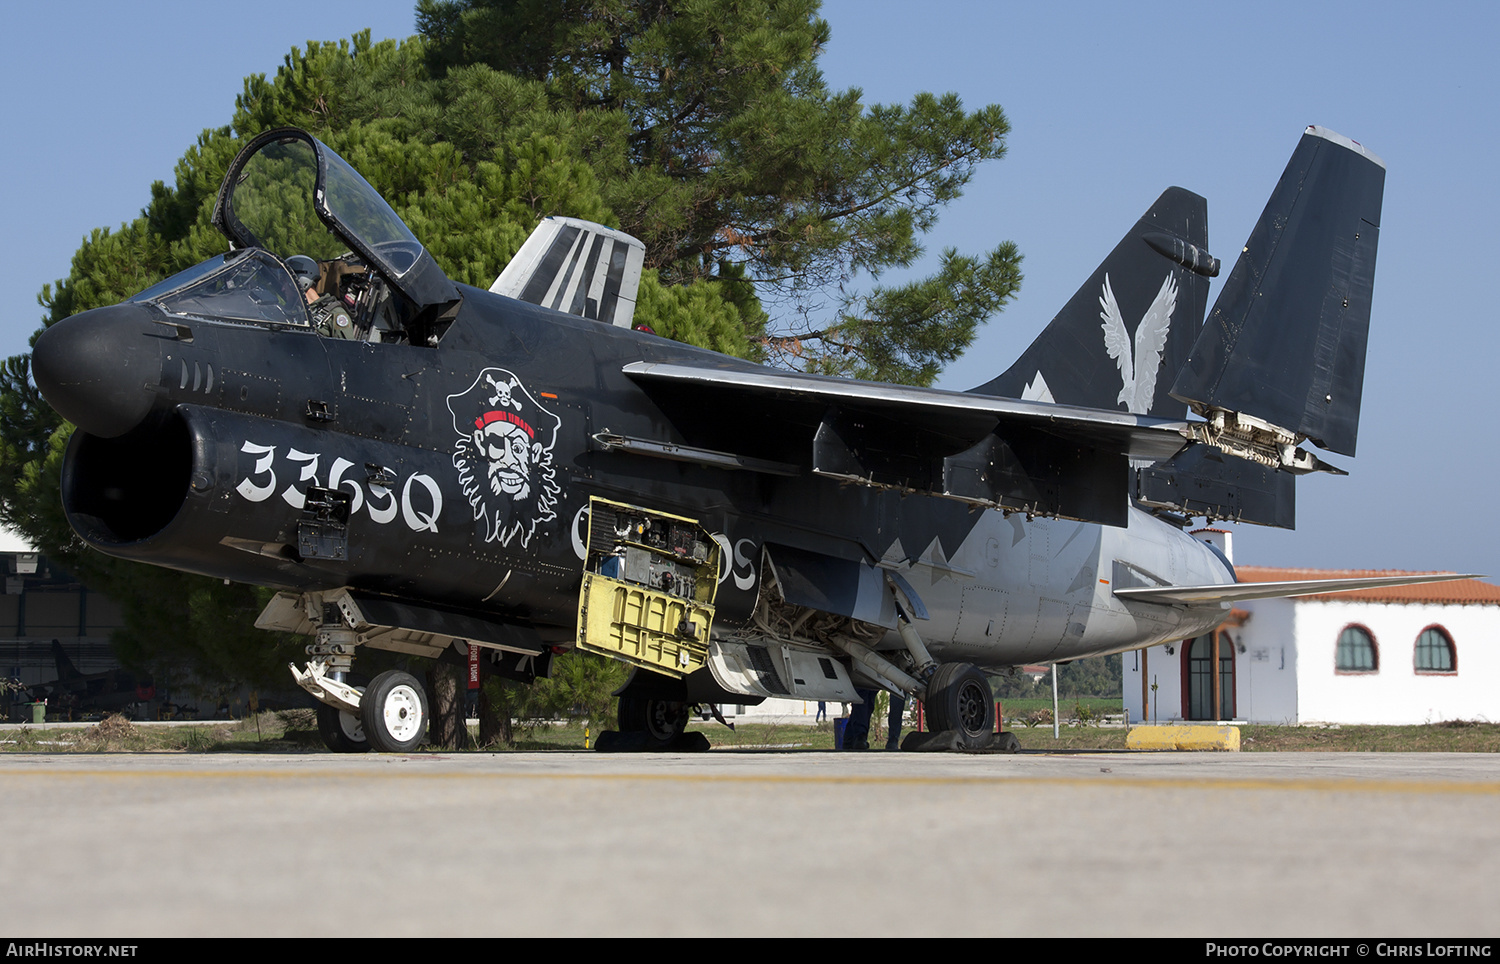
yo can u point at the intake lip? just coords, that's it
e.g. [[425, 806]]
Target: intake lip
[[99, 369]]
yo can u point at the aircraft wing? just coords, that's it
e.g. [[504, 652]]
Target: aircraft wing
[[1030, 456], [1235, 592]]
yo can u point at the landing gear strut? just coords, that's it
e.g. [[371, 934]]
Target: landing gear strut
[[341, 728], [389, 715]]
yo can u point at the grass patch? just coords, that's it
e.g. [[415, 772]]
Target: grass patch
[[1454, 736], [1450, 737], [289, 730], [1097, 706], [1070, 737], [296, 731], [569, 736]]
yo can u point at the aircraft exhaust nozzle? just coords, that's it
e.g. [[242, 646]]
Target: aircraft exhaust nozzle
[[99, 369]]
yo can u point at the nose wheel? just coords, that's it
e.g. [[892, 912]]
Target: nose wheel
[[342, 731], [393, 712]]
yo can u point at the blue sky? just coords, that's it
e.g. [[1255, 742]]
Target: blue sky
[[1108, 105]]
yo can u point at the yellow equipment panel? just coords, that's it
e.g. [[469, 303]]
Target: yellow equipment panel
[[648, 588], [642, 626]]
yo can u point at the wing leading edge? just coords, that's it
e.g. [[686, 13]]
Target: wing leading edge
[[1014, 454]]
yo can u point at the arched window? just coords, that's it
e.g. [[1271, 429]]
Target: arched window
[[1435, 653], [1199, 676], [1357, 651]]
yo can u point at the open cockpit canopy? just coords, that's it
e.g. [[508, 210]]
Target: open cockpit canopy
[[289, 193]]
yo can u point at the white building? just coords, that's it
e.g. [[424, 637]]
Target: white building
[[1413, 654]]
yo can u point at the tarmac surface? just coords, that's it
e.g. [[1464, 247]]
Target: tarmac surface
[[751, 843]]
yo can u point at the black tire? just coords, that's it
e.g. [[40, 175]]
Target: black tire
[[663, 720], [394, 712], [342, 731], [959, 698]]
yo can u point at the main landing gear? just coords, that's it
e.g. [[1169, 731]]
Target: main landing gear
[[959, 700], [960, 704], [653, 715], [662, 720]]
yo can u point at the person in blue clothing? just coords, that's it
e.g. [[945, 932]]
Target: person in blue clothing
[[893, 721], [857, 729]]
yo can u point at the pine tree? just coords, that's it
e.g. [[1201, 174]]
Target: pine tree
[[739, 163], [704, 128]]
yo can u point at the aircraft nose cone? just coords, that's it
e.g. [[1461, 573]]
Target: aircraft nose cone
[[99, 369]]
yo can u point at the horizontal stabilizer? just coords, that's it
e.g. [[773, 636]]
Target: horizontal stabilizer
[[1285, 342], [1237, 592], [577, 267]]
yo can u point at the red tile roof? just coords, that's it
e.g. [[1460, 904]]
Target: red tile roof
[[1463, 592]]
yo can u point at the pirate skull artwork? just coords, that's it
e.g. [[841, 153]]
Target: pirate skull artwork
[[504, 455]]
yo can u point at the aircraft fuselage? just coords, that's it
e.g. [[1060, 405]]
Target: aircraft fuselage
[[449, 502]]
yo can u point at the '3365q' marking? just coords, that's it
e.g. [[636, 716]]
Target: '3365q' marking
[[377, 500]]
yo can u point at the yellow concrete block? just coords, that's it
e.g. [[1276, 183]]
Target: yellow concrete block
[[1185, 737]]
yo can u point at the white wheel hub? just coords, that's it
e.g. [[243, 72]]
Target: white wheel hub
[[352, 727], [402, 713]]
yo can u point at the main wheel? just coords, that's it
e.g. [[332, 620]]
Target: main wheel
[[959, 698], [394, 712], [342, 731], [663, 720]]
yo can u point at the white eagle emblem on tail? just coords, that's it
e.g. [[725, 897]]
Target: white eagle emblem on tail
[[1138, 369]]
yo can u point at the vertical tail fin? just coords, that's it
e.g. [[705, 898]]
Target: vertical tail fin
[[1286, 340], [1124, 335], [65, 667], [577, 267]]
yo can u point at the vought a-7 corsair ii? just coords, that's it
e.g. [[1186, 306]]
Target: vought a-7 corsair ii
[[425, 467]]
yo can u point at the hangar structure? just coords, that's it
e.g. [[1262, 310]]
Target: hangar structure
[[1404, 655], [43, 606]]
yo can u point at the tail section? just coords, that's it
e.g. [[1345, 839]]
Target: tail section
[[65, 668], [1280, 360], [577, 267], [1122, 337], [1285, 343], [1282, 356]]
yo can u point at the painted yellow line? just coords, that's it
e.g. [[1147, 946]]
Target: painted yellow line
[[1320, 784]]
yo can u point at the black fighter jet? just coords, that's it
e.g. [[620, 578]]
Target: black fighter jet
[[76, 692], [426, 467]]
